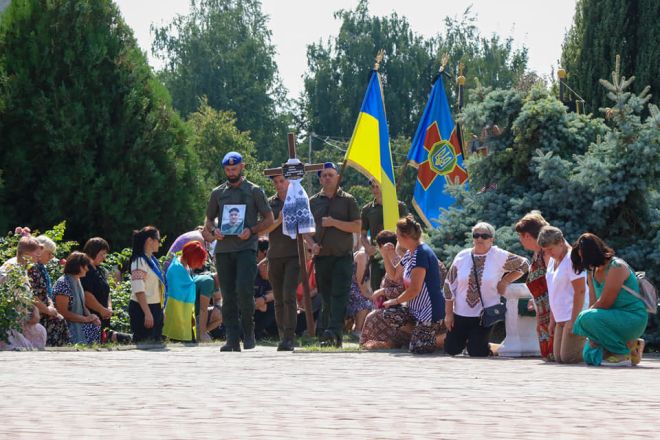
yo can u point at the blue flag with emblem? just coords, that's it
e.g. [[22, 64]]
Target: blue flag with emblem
[[437, 155]]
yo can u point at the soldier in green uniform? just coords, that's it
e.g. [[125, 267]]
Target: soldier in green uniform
[[236, 254], [372, 223], [283, 269], [337, 218]]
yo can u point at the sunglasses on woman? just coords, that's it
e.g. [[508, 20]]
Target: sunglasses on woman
[[476, 235]]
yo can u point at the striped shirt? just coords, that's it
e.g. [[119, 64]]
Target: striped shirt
[[429, 304]]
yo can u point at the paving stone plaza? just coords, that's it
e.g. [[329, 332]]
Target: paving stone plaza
[[198, 392]]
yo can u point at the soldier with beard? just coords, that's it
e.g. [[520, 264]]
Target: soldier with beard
[[236, 254]]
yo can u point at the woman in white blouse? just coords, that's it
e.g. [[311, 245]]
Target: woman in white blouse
[[566, 290], [148, 287], [496, 269]]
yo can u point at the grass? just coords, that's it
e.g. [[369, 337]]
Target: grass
[[303, 344]]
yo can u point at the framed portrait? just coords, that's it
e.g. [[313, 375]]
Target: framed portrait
[[233, 219]]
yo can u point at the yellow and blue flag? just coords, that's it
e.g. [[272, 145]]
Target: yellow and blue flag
[[436, 153], [369, 149]]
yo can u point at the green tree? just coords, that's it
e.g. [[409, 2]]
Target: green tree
[[222, 50], [604, 28], [338, 71], [214, 134], [88, 133], [582, 174]]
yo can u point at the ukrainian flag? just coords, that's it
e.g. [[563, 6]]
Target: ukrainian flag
[[180, 305], [369, 149]]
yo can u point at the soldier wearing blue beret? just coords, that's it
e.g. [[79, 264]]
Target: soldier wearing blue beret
[[236, 251]]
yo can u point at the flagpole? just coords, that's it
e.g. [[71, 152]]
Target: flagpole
[[461, 83]]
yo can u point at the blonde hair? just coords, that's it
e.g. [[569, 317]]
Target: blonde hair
[[27, 245], [47, 243]]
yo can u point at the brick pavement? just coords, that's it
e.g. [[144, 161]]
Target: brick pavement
[[198, 392]]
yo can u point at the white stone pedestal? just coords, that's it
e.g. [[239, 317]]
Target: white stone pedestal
[[521, 337]]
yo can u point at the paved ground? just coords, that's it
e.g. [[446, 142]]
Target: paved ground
[[198, 392]]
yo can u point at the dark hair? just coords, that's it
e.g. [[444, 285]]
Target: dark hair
[[385, 236], [234, 210], [95, 245], [75, 262], [409, 227], [140, 238], [531, 224], [594, 252], [263, 244]]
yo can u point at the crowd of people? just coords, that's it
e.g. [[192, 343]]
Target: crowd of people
[[238, 277]]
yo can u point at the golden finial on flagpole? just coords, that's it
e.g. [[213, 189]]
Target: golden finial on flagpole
[[443, 62], [461, 79], [379, 58]]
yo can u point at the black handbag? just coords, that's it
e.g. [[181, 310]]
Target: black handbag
[[489, 315]]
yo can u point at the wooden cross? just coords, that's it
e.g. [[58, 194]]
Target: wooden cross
[[297, 172]]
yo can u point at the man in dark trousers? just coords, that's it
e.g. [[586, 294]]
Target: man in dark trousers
[[372, 223], [283, 269], [236, 259], [337, 218]]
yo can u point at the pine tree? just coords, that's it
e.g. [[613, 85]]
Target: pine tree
[[584, 175], [601, 30], [88, 133]]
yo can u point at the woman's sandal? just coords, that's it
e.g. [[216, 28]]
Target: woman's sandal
[[636, 351]]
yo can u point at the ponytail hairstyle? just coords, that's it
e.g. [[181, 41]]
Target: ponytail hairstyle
[[409, 227], [139, 240]]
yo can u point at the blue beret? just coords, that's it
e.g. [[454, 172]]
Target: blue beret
[[327, 165], [232, 158]]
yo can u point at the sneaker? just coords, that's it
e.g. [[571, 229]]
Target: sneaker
[[617, 361], [637, 351]]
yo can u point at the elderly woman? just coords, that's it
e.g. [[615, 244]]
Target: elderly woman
[[32, 334], [424, 307], [84, 327], [56, 326], [476, 280], [180, 307], [145, 308], [528, 229], [616, 317], [566, 289]]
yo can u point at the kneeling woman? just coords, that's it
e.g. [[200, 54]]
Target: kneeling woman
[[180, 307], [84, 327], [616, 317], [566, 289], [421, 277], [476, 279]]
